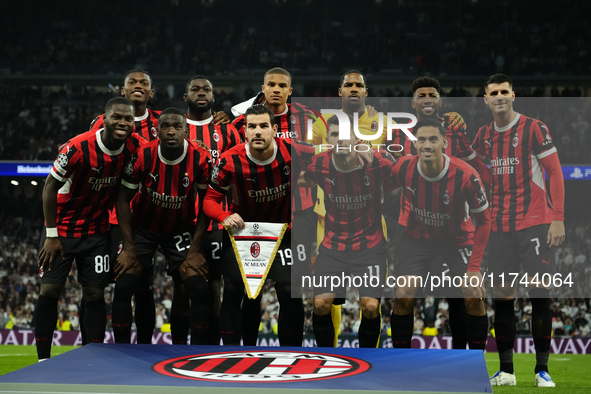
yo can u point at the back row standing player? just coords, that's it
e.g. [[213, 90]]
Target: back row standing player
[[77, 195], [219, 138], [291, 120], [526, 224], [426, 101]]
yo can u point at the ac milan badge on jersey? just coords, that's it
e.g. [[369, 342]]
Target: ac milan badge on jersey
[[186, 181], [262, 366], [255, 249], [41, 272], [446, 198], [293, 119], [215, 172], [515, 142], [366, 180], [154, 131], [216, 137], [374, 126], [286, 170], [62, 160], [129, 168]]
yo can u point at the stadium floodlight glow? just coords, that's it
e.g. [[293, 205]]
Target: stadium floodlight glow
[[15, 183], [34, 183]]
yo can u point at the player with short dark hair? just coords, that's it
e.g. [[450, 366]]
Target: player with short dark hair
[[426, 102], [161, 182], [439, 190], [354, 242], [291, 120], [265, 164], [77, 194], [526, 224], [200, 98]]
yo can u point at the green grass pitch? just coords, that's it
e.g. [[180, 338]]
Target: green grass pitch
[[572, 373]]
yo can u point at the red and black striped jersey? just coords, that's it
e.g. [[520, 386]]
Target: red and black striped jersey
[[167, 196], [91, 172], [292, 124], [353, 200], [218, 138], [458, 144], [261, 190], [518, 192], [439, 206], [146, 125]]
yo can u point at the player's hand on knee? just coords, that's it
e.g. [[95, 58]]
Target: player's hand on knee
[[556, 233], [126, 261], [51, 248], [473, 286], [234, 221], [196, 262]]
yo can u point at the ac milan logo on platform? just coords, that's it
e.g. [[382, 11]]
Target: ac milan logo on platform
[[186, 181], [255, 249], [293, 119], [262, 366], [216, 137], [446, 199], [154, 131], [515, 142], [374, 126]]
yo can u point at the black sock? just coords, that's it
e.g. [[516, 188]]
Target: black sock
[[477, 331], [180, 311], [505, 333], [541, 327], [95, 320], [45, 320], [81, 320], [121, 314], [214, 331], [323, 330], [230, 316], [200, 309], [369, 331], [251, 320], [290, 325], [458, 322], [145, 314], [179, 325], [401, 330]]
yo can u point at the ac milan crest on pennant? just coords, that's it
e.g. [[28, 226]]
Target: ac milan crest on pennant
[[262, 366], [255, 249]]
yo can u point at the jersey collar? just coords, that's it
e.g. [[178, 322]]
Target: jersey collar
[[259, 162], [200, 122], [342, 169], [284, 112], [509, 126], [140, 118], [106, 150], [174, 162], [441, 174]]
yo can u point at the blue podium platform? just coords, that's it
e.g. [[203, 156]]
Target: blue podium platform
[[119, 368]]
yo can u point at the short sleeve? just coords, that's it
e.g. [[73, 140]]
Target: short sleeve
[[68, 159], [132, 174], [476, 196], [542, 144]]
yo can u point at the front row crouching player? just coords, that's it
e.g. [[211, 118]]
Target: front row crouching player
[[440, 189], [77, 196], [170, 173], [354, 240], [259, 173]]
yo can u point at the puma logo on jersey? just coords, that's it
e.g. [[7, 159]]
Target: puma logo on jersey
[[412, 190], [331, 180], [252, 179], [546, 262], [154, 177], [97, 169], [487, 142]]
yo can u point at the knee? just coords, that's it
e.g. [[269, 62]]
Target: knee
[[93, 294], [474, 306], [403, 306], [322, 306], [51, 290], [370, 307]]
